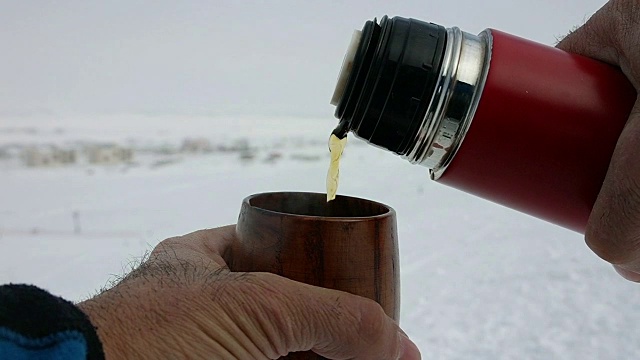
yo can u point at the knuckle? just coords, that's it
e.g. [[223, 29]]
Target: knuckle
[[193, 239], [165, 245], [375, 329], [355, 328], [629, 200], [371, 320], [601, 246], [282, 320], [613, 233], [623, 20]]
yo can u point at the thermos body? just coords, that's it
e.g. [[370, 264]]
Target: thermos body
[[519, 123], [544, 130]]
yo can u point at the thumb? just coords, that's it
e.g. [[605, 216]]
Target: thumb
[[333, 324], [612, 35]]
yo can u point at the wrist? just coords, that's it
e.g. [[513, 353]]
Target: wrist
[[120, 322], [140, 319]]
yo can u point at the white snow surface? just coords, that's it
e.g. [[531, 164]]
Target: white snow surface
[[479, 281]]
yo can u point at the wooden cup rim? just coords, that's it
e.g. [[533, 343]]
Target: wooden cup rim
[[388, 211]]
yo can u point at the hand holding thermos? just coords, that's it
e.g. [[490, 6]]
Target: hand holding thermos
[[612, 35]]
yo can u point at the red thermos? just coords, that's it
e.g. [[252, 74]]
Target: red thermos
[[521, 124]]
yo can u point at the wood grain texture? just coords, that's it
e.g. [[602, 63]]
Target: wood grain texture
[[348, 244]]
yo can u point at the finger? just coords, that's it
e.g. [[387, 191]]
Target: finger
[[629, 275], [199, 247], [298, 317], [613, 231]]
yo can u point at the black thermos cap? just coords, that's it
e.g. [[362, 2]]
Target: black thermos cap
[[391, 83]]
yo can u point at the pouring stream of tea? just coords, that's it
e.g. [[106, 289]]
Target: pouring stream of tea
[[336, 147]]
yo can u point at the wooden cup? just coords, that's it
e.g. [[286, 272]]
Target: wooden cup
[[348, 244]]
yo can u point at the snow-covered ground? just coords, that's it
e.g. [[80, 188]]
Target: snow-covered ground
[[478, 281]]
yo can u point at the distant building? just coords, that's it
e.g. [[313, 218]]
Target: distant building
[[246, 156], [273, 157], [109, 154], [240, 145], [12, 151], [48, 156], [196, 145]]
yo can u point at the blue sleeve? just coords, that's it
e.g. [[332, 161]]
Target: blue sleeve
[[37, 325]]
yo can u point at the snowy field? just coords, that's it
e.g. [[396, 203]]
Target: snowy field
[[478, 281]]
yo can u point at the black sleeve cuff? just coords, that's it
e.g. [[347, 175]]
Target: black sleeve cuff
[[35, 314]]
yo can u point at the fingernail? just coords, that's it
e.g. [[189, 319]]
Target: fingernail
[[627, 274], [409, 350]]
